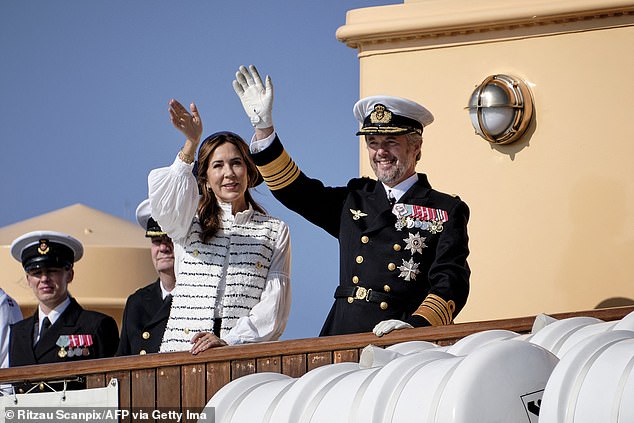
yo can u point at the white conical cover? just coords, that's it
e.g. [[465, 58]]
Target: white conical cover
[[472, 342], [341, 398], [498, 383], [555, 334], [381, 396], [561, 393], [230, 396], [601, 393], [297, 403]]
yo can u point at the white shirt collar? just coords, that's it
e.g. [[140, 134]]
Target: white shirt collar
[[164, 292], [401, 188], [239, 217], [226, 207], [55, 313]]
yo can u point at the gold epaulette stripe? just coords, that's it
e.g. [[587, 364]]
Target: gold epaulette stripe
[[436, 310], [281, 162], [439, 305], [155, 233], [280, 172], [283, 178], [430, 314]]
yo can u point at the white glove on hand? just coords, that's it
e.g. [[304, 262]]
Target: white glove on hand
[[257, 99], [387, 326]]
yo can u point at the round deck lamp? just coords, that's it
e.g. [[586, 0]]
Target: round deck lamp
[[501, 108]]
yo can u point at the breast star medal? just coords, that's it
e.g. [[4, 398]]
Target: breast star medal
[[409, 270], [415, 243]]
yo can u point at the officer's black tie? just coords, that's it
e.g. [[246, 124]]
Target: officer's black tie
[[45, 325], [390, 198]]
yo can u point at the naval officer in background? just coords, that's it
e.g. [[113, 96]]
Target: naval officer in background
[[147, 310], [60, 331], [403, 245], [10, 313]]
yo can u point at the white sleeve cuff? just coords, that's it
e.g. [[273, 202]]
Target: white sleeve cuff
[[259, 145]]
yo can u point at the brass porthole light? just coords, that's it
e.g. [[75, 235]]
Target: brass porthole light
[[501, 108]]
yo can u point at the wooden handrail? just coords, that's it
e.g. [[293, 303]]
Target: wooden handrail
[[443, 335]]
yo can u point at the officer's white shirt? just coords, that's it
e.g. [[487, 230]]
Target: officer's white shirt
[[400, 189], [164, 292], [9, 313], [52, 316]]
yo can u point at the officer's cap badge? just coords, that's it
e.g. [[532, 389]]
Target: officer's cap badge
[[43, 248], [380, 114]]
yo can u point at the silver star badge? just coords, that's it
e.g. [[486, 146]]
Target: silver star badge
[[409, 270], [357, 214], [415, 243]]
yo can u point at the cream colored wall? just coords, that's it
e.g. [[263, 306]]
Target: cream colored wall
[[552, 223]]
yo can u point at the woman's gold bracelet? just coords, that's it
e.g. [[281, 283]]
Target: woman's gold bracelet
[[185, 157]]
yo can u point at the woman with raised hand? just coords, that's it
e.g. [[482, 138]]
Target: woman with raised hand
[[232, 259]]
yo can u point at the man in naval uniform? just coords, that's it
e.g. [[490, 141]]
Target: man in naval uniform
[[403, 245], [60, 331], [147, 310]]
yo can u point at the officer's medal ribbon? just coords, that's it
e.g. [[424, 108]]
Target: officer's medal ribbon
[[87, 343], [62, 342], [76, 344], [413, 216], [71, 345]]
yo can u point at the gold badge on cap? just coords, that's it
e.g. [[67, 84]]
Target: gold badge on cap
[[380, 114], [43, 248]]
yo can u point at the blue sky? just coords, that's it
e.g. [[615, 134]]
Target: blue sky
[[84, 88]]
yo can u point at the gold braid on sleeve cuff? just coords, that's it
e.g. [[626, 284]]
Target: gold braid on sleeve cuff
[[280, 173], [436, 310]]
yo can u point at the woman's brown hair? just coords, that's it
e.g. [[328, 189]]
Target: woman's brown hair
[[208, 208]]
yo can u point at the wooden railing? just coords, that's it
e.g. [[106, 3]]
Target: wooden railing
[[182, 381]]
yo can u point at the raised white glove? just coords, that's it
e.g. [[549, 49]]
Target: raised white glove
[[257, 99], [387, 326]]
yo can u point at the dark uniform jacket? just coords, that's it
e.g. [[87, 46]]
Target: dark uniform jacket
[[73, 321], [144, 319], [413, 268]]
